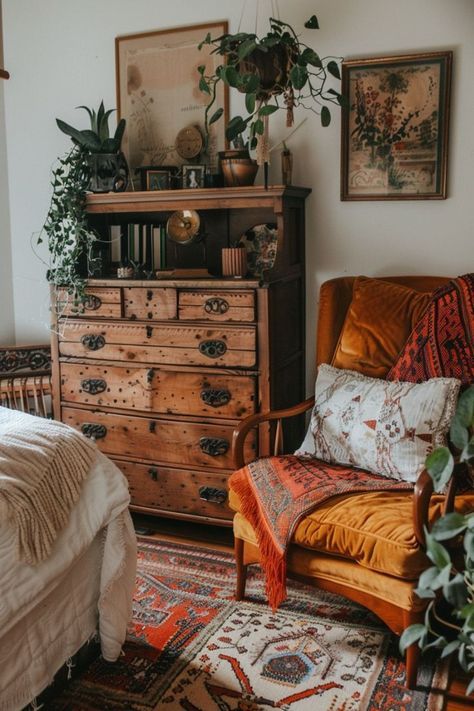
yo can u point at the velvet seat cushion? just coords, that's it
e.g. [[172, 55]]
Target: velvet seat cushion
[[374, 529], [378, 322]]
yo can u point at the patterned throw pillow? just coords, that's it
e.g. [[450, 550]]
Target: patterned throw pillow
[[385, 427]]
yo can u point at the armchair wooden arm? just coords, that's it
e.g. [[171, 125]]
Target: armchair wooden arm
[[421, 500], [244, 427]]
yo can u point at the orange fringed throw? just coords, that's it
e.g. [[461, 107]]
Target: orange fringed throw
[[277, 492]]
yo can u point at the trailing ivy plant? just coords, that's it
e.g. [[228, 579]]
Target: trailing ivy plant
[[449, 582], [276, 71], [66, 230]]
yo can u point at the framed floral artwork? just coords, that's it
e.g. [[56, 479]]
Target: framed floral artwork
[[395, 127], [158, 94]]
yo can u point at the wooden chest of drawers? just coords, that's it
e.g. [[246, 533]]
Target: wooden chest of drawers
[[159, 373]]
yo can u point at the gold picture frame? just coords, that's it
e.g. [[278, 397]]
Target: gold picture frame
[[158, 93], [394, 138]]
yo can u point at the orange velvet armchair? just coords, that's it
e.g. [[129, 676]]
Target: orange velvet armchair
[[368, 547]]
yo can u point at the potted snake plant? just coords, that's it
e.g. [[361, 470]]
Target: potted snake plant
[[101, 152]]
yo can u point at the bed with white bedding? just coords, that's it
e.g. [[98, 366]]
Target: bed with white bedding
[[85, 584]]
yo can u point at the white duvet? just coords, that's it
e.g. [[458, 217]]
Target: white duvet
[[48, 611]]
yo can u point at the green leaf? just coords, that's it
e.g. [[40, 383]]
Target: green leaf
[[201, 69], [298, 76], [267, 109], [119, 131], [412, 634], [440, 465], [231, 76], [429, 578], [203, 86], [470, 687], [458, 433], [92, 116], [250, 83], [465, 407], [246, 48], [450, 648], [312, 23], [448, 526], [206, 40], [455, 591], [236, 126], [250, 102], [325, 116], [436, 552], [309, 56], [333, 69], [39, 240], [216, 115], [259, 127], [468, 452]]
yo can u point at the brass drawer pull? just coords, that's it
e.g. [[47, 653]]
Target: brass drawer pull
[[213, 446], [152, 426], [93, 386], [214, 397], [214, 496], [153, 474], [92, 302], [149, 331], [149, 375], [212, 349], [94, 430], [216, 306], [93, 341], [149, 295]]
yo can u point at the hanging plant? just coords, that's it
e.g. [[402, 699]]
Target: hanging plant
[[276, 71], [68, 235]]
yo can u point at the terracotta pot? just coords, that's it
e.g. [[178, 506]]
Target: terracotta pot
[[237, 168], [234, 261]]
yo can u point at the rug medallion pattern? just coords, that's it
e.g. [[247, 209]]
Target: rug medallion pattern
[[191, 646]]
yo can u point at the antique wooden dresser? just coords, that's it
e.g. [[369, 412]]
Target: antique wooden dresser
[[160, 370]]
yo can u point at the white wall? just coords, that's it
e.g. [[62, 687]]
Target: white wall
[[60, 54], [7, 326]]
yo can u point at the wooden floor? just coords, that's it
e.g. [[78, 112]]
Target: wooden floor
[[220, 538]]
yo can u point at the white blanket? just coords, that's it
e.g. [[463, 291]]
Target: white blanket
[[102, 510]]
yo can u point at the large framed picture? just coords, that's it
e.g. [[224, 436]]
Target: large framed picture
[[395, 127], [158, 93]]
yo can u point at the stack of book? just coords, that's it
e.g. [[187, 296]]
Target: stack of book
[[142, 246]]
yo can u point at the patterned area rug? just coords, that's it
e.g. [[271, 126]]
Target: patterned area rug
[[192, 647]]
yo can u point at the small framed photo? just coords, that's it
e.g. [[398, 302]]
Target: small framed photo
[[395, 127], [158, 180], [193, 176]]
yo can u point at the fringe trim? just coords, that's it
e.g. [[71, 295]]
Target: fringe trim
[[38, 513], [273, 560]]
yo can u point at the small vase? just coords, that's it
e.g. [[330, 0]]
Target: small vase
[[238, 168], [108, 172], [234, 261]]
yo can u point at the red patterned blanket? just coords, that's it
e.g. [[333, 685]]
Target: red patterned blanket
[[277, 492], [442, 343]]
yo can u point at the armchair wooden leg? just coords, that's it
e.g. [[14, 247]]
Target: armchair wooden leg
[[413, 653], [412, 658], [241, 569]]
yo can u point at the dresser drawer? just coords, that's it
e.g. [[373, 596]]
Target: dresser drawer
[[99, 303], [180, 344], [177, 490], [162, 391], [217, 305], [159, 304], [152, 439]]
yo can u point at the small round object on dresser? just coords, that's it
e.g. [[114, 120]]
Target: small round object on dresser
[[189, 142], [183, 226]]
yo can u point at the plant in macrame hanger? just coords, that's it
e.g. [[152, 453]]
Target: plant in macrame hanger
[[274, 71]]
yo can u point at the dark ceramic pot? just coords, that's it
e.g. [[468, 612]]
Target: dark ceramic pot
[[108, 172]]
